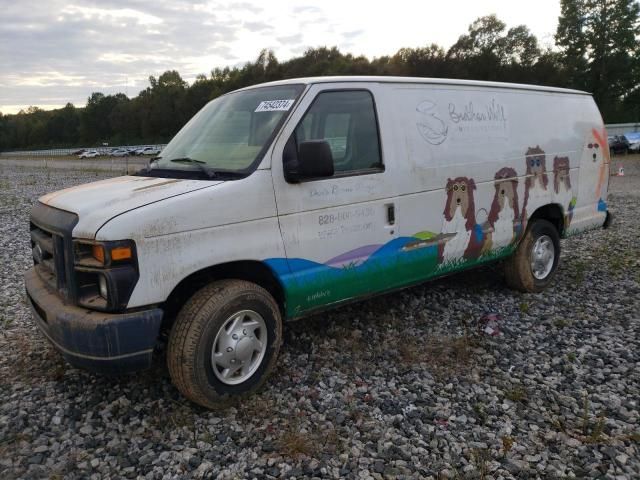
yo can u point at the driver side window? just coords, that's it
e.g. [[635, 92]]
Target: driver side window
[[346, 120]]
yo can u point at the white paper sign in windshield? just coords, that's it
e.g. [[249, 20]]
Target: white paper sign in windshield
[[274, 106]]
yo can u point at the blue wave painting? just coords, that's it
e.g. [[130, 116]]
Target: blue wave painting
[[363, 270]]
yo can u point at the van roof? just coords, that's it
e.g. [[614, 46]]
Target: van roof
[[422, 80]]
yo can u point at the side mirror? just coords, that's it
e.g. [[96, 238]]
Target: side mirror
[[314, 160]]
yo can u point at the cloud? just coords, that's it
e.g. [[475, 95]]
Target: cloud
[[258, 26], [295, 38], [59, 46], [112, 15], [62, 50], [306, 9], [353, 33]]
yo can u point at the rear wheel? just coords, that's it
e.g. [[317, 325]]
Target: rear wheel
[[224, 343], [533, 265]]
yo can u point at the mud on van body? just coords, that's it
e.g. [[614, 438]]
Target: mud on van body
[[279, 200]]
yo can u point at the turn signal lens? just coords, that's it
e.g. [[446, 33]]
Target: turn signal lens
[[98, 253], [121, 253]]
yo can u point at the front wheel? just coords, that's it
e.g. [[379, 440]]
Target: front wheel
[[533, 265], [224, 342]]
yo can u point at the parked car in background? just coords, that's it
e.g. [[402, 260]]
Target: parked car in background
[[89, 154], [634, 141], [78, 152], [119, 152], [148, 151], [618, 144]]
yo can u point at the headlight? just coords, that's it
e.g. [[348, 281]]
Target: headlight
[[105, 273], [103, 254]]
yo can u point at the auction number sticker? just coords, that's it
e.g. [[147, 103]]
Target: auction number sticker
[[274, 105]]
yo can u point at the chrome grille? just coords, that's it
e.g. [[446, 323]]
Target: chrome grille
[[47, 249], [52, 248]]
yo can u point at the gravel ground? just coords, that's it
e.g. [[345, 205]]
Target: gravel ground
[[402, 386]]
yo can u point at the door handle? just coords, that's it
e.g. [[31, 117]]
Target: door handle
[[391, 214]]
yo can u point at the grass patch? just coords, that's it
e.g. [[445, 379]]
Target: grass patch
[[480, 413], [481, 458], [524, 307], [445, 355], [579, 270], [517, 394], [296, 443], [562, 323], [615, 260], [5, 323], [590, 429], [36, 360], [507, 445]]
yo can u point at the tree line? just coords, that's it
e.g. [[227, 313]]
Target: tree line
[[596, 49]]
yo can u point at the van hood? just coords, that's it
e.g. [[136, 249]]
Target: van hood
[[98, 202]]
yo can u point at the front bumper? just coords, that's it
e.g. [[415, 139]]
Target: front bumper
[[96, 341]]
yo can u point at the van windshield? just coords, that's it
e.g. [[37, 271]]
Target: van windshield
[[231, 132]]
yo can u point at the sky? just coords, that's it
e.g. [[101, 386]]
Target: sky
[[53, 52]]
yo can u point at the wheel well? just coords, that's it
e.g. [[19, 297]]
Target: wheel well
[[249, 270], [553, 213]]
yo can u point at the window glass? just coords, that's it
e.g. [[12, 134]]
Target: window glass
[[230, 132], [346, 121]]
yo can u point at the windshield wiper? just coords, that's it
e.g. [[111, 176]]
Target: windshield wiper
[[198, 163]]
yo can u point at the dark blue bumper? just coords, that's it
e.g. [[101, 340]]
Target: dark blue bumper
[[96, 341]]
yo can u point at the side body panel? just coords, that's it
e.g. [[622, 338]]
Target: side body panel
[[465, 168], [334, 229], [590, 208], [230, 221], [478, 162]]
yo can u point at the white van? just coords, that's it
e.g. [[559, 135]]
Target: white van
[[282, 199]]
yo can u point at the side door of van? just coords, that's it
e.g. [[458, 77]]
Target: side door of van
[[338, 231]]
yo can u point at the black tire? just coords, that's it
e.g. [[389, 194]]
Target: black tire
[[518, 271], [189, 351]]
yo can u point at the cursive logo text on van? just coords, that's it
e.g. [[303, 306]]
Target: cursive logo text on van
[[430, 126], [471, 113]]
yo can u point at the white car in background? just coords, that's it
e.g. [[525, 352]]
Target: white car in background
[[89, 154], [148, 151], [634, 141], [119, 152]]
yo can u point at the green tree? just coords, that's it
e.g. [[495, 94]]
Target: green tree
[[570, 38], [600, 43], [488, 51]]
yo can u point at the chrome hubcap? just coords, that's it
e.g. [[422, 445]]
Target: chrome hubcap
[[542, 257], [239, 347]]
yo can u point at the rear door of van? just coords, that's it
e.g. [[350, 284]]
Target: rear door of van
[[338, 232]]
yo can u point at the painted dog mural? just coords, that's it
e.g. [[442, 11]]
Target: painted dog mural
[[504, 215], [460, 222], [594, 161], [562, 187], [463, 237], [535, 185]]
